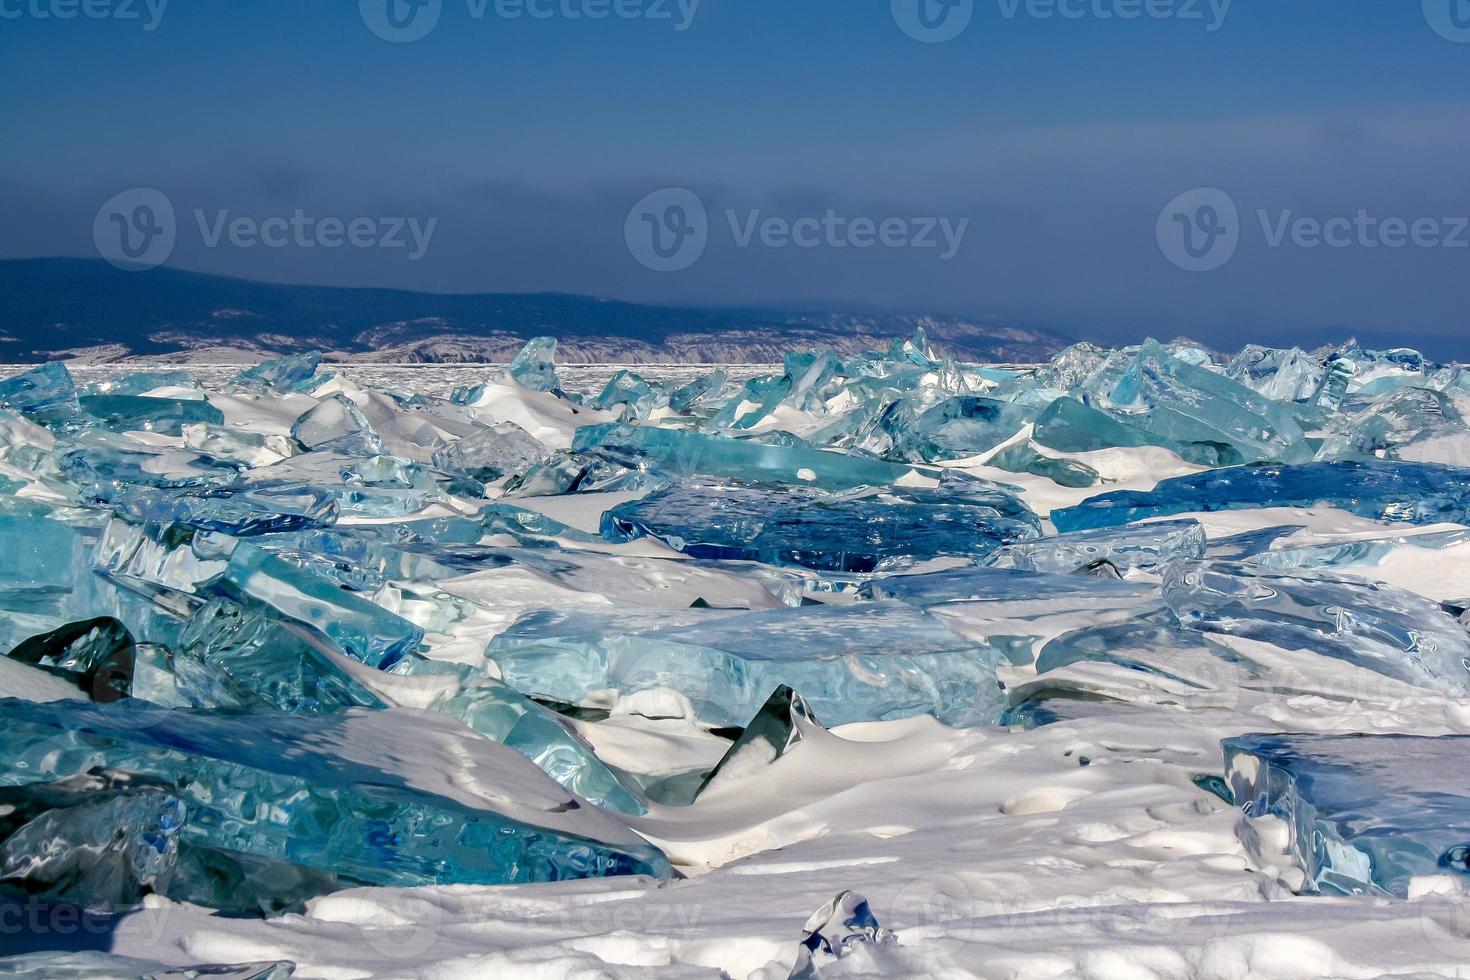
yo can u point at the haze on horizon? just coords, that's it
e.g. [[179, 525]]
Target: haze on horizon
[[1054, 142]]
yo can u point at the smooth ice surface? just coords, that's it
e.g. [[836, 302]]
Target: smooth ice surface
[[857, 531], [1366, 813], [1409, 493], [852, 663]]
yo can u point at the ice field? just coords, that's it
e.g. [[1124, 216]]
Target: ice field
[[1146, 663]]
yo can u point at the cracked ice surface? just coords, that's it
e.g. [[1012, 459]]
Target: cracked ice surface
[[1006, 647]]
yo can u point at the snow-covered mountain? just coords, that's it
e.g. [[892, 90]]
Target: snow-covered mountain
[[90, 311]]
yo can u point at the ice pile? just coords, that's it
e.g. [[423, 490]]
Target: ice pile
[[299, 635]]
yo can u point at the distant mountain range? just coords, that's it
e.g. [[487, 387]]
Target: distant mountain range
[[88, 310]]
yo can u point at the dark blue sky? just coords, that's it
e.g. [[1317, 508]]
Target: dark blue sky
[[1060, 139]]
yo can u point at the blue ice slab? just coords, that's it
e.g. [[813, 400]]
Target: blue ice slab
[[1126, 548], [1366, 813], [1411, 493], [865, 662], [135, 413], [967, 425], [492, 452], [1151, 644], [998, 585], [248, 655], [1349, 554], [98, 456], [1369, 624], [44, 389], [627, 393], [280, 374], [355, 794], [1014, 610], [535, 366], [857, 531], [504, 715], [337, 425], [264, 508], [364, 486], [364, 631], [682, 453], [91, 847], [1383, 427], [1187, 403], [140, 383], [686, 398]]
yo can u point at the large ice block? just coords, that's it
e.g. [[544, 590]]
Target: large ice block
[[1411, 493], [1126, 548], [680, 453], [494, 452], [168, 416], [260, 509], [336, 425], [1370, 624], [364, 631], [45, 389], [857, 531], [1366, 813], [377, 797], [865, 662]]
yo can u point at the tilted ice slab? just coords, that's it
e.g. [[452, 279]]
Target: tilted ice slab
[[1366, 813], [376, 797], [1411, 493], [867, 662], [1375, 626]]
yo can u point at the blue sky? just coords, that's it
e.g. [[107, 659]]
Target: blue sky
[[1058, 139]]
